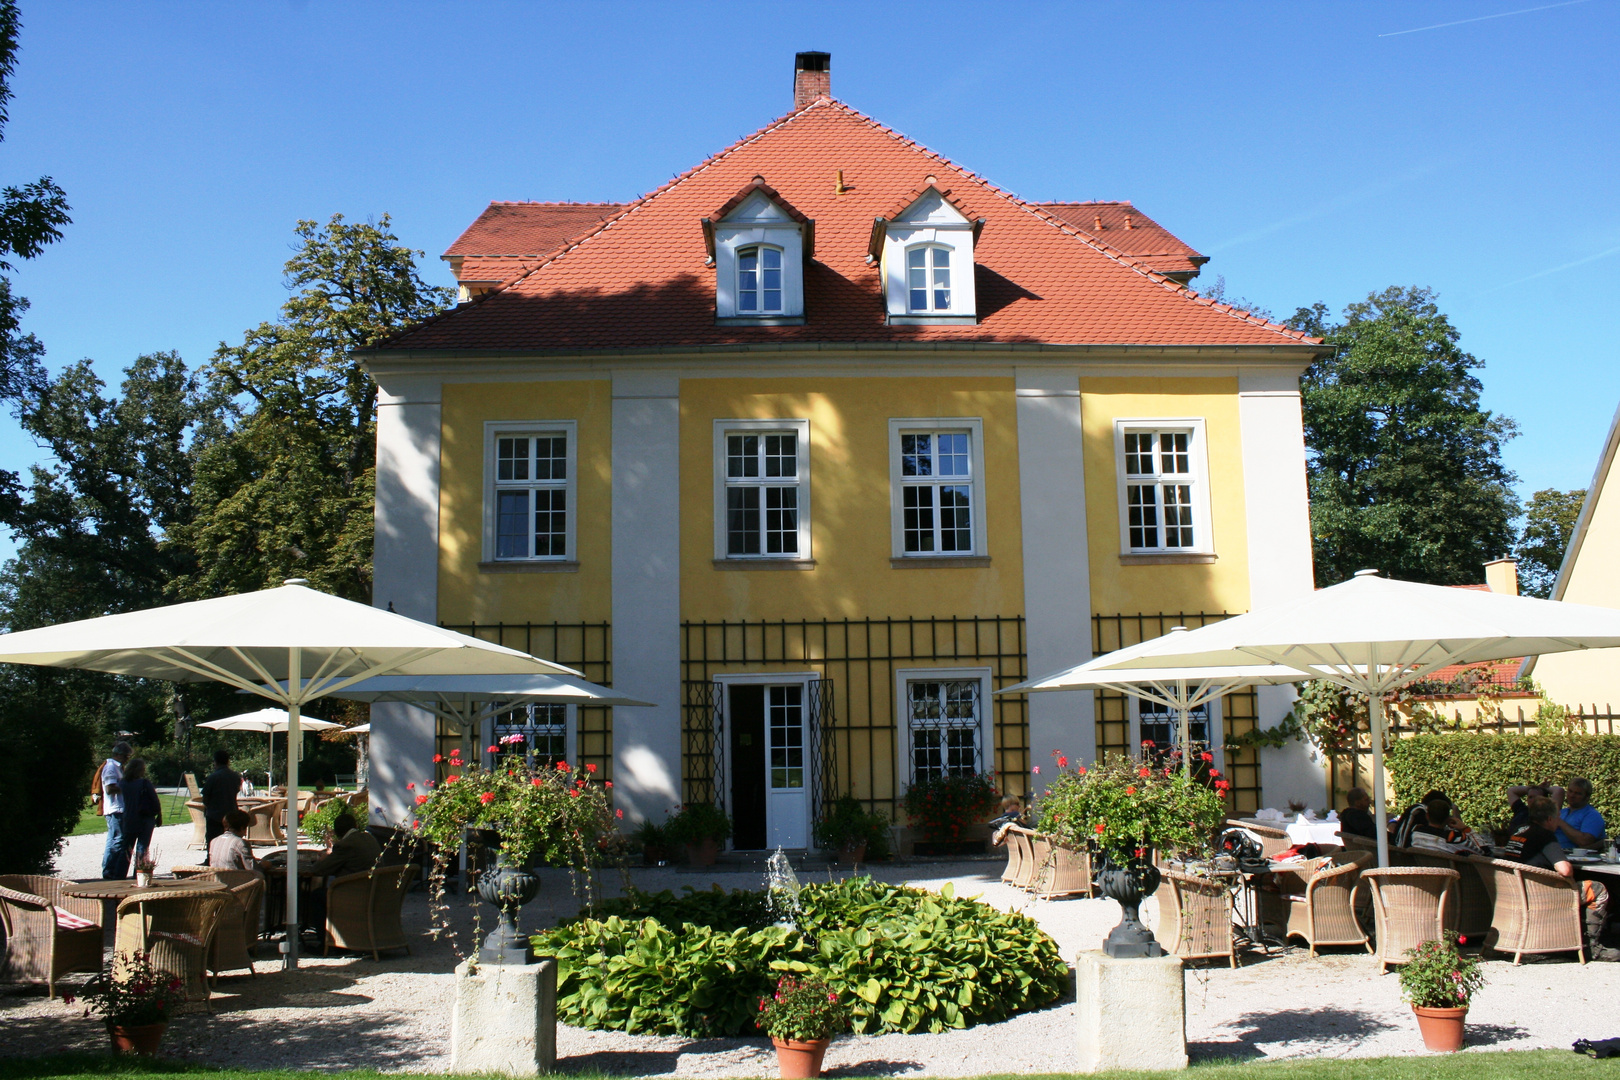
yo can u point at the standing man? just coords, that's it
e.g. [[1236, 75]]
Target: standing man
[[115, 857], [219, 795]]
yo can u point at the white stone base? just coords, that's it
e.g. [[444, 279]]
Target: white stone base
[[1133, 1013], [505, 1019]]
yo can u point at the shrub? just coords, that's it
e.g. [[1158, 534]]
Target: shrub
[[1474, 768], [850, 825], [714, 907], [697, 822], [45, 769], [902, 959], [943, 806]]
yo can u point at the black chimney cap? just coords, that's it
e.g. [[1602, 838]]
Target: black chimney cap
[[812, 61]]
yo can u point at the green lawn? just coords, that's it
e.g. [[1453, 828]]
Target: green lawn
[[174, 813], [1484, 1065]]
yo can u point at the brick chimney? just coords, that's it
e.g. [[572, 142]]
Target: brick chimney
[[812, 78], [1502, 575]]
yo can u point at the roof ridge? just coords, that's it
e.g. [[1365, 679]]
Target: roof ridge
[[1081, 202], [549, 202]]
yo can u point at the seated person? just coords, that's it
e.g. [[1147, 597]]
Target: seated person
[[1012, 813], [1400, 830], [1579, 824], [1536, 844], [1441, 822], [1355, 819], [229, 851], [354, 851]]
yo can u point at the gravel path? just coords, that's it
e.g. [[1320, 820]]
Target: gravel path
[[355, 1012]]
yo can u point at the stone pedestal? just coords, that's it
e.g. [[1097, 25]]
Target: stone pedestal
[[1133, 1013], [505, 1019]]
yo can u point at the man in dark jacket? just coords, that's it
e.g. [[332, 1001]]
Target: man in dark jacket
[[219, 794], [1354, 819]]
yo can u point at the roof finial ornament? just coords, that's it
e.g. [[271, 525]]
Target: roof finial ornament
[[840, 188]]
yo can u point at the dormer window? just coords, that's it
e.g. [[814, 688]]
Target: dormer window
[[759, 281], [928, 275], [925, 251], [758, 245]]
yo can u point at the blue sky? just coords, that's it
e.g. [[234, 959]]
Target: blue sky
[[1316, 151]]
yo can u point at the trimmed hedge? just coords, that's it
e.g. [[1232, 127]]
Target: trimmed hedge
[[1474, 768]]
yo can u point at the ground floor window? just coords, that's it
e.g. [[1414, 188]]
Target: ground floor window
[[538, 731], [944, 723]]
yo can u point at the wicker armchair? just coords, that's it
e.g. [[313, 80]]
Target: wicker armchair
[[1058, 870], [1409, 907], [1533, 910], [1020, 859], [47, 934], [265, 828], [174, 927], [237, 934], [362, 910], [1195, 917], [1319, 905], [1471, 912], [199, 824]]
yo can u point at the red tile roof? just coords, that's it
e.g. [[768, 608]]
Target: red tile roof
[[639, 279], [529, 228], [1125, 228]]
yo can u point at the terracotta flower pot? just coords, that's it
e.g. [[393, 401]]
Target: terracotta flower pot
[[852, 854], [799, 1060], [704, 852], [141, 1039], [1442, 1028]]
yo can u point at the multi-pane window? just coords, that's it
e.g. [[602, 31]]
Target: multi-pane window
[[762, 493], [759, 280], [1162, 727], [936, 492], [944, 722], [784, 713], [538, 731], [1159, 483], [531, 496], [928, 278]]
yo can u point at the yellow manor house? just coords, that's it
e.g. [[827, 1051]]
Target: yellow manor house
[[817, 446]]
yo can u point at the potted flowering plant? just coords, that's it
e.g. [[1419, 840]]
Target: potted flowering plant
[[145, 867], [943, 807], [136, 1006], [852, 831], [1124, 810], [801, 1018], [700, 828], [1439, 982], [555, 814]]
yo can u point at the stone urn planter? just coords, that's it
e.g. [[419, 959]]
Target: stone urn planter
[[852, 854], [1129, 882], [142, 1039], [797, 1060], [1442, 1029], [508, 888], [703, 852]]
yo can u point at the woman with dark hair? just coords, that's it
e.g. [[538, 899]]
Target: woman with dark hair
[[143, 812]]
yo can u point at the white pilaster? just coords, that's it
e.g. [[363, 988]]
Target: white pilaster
[[1278, 523], [1057, 575], [647, 593], [405, 576]]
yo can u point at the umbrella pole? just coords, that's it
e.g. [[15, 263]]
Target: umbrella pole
[[1186, 727], [294, 744], [1375, 717]]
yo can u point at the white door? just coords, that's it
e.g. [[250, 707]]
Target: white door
[[787, 814]]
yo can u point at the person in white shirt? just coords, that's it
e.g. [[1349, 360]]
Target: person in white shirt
[[228, 851], [115, 857]]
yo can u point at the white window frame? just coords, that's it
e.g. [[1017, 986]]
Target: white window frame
[[494, 430], [1217, 728], [903, 678], [724, 428], [928, 277], [759, 221], [973, 427], [759, 285], [1198, 479], [570, 733]]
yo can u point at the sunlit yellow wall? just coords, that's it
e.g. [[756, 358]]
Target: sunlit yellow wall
[[465, 594], [1210, 587], [849, 491], [1590, 678]]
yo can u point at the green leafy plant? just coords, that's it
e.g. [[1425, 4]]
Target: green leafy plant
[[802, 1010], [1437, 976], [317, 823], [901, 959], [649, 836], [710, 907], [944, 806], [1474, 768], [141, 994], [1124, 808], [697, 822], [850, 825]]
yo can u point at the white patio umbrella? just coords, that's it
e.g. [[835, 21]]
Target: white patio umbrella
[[264, 643], [268, 721], [469, 699], [1374, 635], [1180, 689]]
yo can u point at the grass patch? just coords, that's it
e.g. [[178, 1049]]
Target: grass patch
[[1481, 1065], [174, 813]]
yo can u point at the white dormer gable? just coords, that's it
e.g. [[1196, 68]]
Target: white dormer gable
[[926, 252], [758, 245]]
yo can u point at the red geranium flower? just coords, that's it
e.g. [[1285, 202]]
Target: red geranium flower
[[1214, 772], [1063, 762], [607, 783], [451, 779], [537, 782], [562, 766], [487, 797], [1081, 769], [437, 758], [618, 813], [494, 749], [1099, 828], [1144, 771], [1147, 744], [1207, 756], [420, 799], [411, 786], [590, 767], [1131, 790]]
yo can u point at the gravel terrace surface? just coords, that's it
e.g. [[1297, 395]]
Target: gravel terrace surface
[[394, 1014]]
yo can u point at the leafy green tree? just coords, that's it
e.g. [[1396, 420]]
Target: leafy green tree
[[287, 491], [1404, 466], [1549, 522]]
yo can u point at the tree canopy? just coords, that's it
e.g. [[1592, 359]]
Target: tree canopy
[[1549, 522], [1404, 466]]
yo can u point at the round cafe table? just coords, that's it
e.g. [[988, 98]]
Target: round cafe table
[[275, 885], [112, 893]]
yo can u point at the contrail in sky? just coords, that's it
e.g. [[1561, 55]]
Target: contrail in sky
[[1482, 18], [1556, 269], [1323, 209]]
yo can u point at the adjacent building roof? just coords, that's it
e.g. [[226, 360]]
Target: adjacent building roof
[[509, 238], [1125, 228], [639, 278]]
